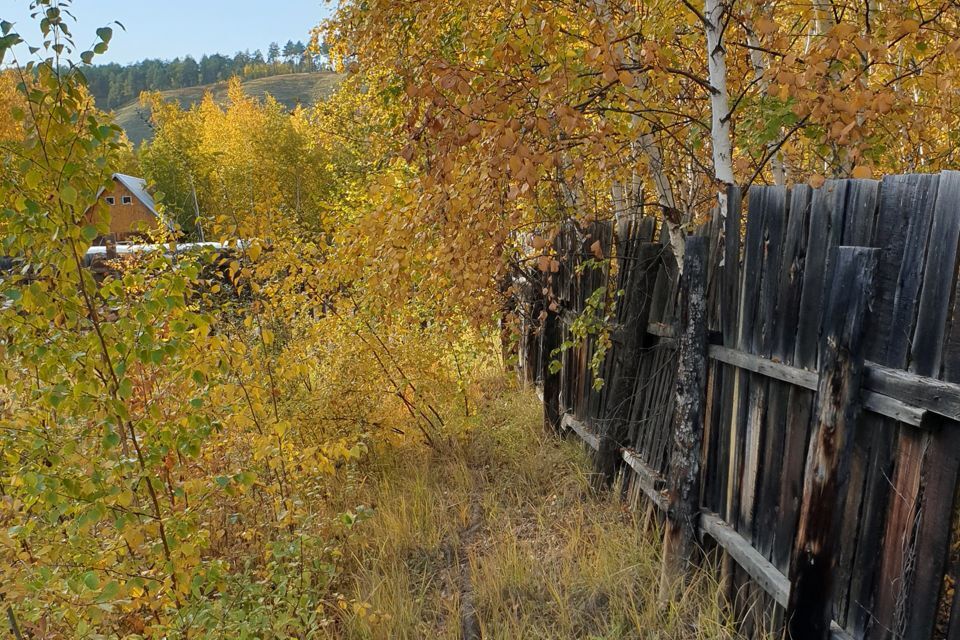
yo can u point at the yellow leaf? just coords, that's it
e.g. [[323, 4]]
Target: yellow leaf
[[816, 181], [766, 26], [862, 172], [596, 250], [125, 499], [910, 26]]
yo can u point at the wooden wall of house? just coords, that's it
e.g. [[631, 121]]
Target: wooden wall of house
[[128, 221]]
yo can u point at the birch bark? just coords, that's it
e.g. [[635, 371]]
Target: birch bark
[[714, 14]]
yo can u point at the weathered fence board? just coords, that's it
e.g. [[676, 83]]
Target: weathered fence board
[[816, 548]]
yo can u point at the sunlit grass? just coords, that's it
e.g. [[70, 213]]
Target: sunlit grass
[[547, 558]]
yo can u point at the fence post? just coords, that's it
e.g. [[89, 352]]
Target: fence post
[[836, 412], [683, 509], [550, 340]]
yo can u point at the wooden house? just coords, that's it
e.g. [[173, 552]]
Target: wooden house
[[133, 213]]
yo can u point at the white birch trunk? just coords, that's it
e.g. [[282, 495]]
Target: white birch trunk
[[714, 14], [759, 64], [665, 198]]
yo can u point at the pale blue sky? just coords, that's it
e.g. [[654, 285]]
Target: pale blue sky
[[174, 28]]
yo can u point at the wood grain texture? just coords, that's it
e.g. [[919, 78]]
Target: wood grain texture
[[812, 568]]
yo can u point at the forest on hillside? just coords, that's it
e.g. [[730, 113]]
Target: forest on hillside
[[114, 85], [311, 426]]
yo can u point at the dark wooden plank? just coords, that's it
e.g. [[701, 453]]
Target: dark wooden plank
[[760, 446], [903, 224], [729, 320], [861, 210], [919, 201], [711, 433], [690, 395], [930, 394], [893, 218], [746, 338], [772, 580], [729, 300], [826, 228], [639, 396], [941, 464], [938, 279], [654, 410], [766, 367], [625, 361], [750, 399], [708, 461], [663, 289], [895, 599], [777, 440], [647, 479], [579, 427], [797, 427], [859, 216], [809, 609], [932, 544]]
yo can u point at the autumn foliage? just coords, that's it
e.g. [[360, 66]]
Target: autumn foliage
[[171, 433]]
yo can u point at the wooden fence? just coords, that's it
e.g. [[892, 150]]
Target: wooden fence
[[793, 398]]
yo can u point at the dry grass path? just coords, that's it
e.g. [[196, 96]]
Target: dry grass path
[[497, 535]]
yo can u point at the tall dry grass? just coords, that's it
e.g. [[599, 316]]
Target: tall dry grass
[[512, 506]]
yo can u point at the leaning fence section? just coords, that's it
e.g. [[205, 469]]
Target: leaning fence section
[[822, 440]]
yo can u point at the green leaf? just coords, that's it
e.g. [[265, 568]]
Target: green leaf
[[109, 591], [126, 389], [105, 34], [68, 194], [87, 57], [5, 27], [90, 232], [91, 580], [111, 440], [247, 478], [32, 178]]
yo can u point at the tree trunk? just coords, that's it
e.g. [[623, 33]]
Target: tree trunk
[[714, 15], [679, 538]]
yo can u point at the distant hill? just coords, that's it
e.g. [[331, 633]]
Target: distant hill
[[290, 90]]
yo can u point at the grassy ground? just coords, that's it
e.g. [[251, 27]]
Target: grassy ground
[[502, 521], [289, 89]]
